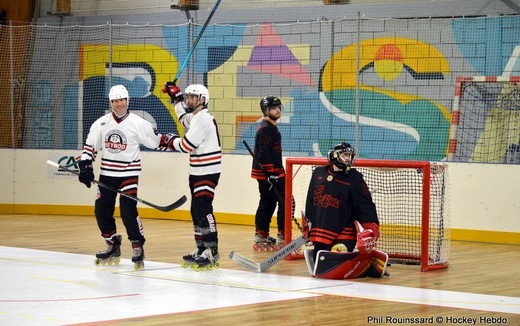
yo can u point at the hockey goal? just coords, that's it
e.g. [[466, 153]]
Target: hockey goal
[[485, 123], [411, 200]]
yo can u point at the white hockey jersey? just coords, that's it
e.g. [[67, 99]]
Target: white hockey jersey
[[118, 142], [201, 139]]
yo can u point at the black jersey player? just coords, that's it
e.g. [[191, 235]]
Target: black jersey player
[[342, 213], [268, 170]]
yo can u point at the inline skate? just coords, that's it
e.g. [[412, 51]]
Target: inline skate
[[111, 255]]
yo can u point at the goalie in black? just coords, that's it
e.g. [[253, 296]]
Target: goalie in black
[[343, 217]]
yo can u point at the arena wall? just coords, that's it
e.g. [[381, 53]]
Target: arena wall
[[484, 203]]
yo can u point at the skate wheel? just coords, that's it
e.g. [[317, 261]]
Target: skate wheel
[[185, 264], [276, 247], [217, 265], [256, 247], [100, 261], [138, 265], [263, 247], [198, 268]]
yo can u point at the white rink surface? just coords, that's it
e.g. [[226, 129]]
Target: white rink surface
[[51, 288]]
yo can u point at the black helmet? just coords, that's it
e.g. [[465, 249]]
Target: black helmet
[[269, 102], [334, 156]]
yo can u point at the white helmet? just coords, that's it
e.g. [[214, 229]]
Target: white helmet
[[199, 90], [118, 92]]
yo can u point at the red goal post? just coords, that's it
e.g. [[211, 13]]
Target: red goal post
[[411, 200]]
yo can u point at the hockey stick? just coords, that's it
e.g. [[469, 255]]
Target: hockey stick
[[273, 259], [195, 43], [277, 193], [168, 208]]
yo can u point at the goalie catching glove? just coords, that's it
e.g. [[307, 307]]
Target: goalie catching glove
[[174, 92], [86, 172], [166, 143], [366, 238]]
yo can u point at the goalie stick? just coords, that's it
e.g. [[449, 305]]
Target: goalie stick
[[273, 259], [280, 198], [195, 42], [168, 208]]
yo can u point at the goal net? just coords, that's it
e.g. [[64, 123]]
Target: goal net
[[486, 120], [411, 200]]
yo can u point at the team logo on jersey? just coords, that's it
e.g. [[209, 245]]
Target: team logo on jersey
[[330, 178], [115, 141], [320, 198]]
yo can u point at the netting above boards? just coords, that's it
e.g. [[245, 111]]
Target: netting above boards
[[486, 120]]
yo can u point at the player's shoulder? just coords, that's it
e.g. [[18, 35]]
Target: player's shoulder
[[136, 118], [203, 114], [103, 119], [355, 172], [322, 169]]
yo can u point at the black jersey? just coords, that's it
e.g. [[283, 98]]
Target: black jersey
[[268, 151], [334, 201]]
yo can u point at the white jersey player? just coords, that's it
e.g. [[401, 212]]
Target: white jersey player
[[202, 141], [117, 137]]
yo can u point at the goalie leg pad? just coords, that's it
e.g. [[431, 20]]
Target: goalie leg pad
[[341, 265], [378, 264]]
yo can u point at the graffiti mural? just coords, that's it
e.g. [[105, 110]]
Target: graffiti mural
[[389, 91]]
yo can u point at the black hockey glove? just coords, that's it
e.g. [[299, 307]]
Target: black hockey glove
[[174, 92], [86, 172]]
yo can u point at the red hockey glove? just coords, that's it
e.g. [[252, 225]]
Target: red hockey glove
[[174, 92], [166, 143], [366, 239]]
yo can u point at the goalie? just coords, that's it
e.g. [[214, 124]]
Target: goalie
[[342, 216]]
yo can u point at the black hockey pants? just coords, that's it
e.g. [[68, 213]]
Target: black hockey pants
[[105, 207]]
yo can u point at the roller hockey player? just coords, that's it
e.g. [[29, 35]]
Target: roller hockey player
[[201, 141], [341, 211], [117, 138], [268, 170], [111, 255]]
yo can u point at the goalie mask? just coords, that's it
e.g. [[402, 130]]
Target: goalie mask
[[269, 102], [342, 156], [202, 94], [118, 92]]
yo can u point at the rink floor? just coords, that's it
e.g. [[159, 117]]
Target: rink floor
[[53, 288]]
